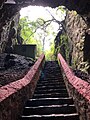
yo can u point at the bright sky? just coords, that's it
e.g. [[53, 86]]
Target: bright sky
[[34, 12]]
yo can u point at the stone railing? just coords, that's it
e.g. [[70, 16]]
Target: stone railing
[[14, 95], [78, 89]]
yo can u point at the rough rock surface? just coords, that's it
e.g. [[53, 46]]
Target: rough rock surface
[[13, 67], [9, 34], [10, 8], [79, 5], [82, 75], [76, 28]]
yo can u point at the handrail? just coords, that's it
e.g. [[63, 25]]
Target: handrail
[[14, 95], [80, 85], [9, 89]]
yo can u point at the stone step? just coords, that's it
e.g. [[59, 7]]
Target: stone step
[[51, 87], [73, 116], [50, 95], [53, 78], [47, 81], [50, 91], [52, 74], [50, 83], [50, 109], [49, 101]]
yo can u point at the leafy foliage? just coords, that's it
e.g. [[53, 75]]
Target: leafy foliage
[[50, 53], [62, 46], [27, 32], [37, 31]]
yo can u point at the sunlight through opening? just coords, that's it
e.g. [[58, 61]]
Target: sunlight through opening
[[47, 22]]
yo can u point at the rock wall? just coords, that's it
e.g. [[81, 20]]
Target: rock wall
[[78, 89], [9, 17], [76, 28], [9, 34]]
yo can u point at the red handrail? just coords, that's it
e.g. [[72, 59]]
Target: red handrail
[[80, 85], [11, 88]]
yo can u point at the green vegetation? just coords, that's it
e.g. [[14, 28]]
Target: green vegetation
[[42, 31], [27, 33], [50, 53], [64, 42], [63, 46]]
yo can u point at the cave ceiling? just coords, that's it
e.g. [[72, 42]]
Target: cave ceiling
[[81, 6], [8, 8]]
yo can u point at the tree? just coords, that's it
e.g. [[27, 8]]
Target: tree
[[39, 30], [28, 29], [50, 53]]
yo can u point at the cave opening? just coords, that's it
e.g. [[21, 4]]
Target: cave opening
[[48, 22]]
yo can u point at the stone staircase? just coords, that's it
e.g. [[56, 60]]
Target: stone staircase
[[50, 100]]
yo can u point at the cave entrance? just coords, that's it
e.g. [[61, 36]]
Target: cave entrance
[[42, 24]]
